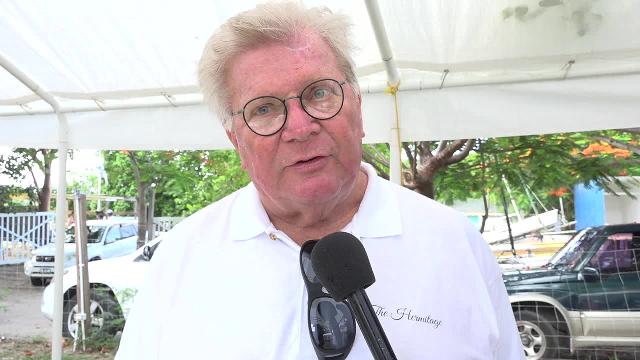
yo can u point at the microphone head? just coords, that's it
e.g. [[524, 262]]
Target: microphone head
[[342, 265]]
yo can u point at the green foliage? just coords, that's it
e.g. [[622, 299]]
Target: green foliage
[[85, 185], [25, 161], [3, 294], [39, 348], [550, 165], [14, 199], [185, 181]]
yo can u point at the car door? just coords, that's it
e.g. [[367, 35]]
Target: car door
[[128, 243], [111, 246], [612, 291]]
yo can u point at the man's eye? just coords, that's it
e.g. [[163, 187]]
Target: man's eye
[[263, 109], [320, 93]]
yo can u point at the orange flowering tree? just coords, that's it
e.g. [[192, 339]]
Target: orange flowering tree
[[545, 165]]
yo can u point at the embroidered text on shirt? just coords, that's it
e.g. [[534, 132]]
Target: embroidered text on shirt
[[406, 313]]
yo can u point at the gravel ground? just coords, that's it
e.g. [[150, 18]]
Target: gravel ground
[[20, 315]]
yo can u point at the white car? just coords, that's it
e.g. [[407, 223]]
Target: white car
[[114, 283], [106, 239]]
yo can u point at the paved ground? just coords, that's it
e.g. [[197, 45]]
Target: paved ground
[[20, 315]]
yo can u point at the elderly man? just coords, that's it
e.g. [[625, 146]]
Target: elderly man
[[226, 283]]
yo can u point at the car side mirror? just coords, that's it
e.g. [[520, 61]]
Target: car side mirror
[[147, 252], [590, 274]]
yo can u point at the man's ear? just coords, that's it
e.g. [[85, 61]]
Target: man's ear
[[234, 140], [232, 137], [360, 115]]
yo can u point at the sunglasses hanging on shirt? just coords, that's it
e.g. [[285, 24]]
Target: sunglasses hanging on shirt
[[331, 323]]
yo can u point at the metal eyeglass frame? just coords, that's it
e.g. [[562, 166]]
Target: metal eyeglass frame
[[286, 111]]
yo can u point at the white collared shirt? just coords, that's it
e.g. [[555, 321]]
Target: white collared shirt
[[226, 284]]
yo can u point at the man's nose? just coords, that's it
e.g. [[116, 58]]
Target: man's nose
[[299, 125]]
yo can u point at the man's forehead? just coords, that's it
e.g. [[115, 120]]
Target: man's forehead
[[308, 55]]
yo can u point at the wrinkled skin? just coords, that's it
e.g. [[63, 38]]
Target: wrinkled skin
[[308, 173]]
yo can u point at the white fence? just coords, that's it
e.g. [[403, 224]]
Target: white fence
[[165, 223], [22, 232]]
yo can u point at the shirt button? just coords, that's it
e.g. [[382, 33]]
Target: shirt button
[[273, 236]]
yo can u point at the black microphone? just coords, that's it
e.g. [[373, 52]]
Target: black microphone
[[343, 268]]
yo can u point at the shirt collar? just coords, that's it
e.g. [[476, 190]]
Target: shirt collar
[[377, 216], [379, 213], [248, 218]]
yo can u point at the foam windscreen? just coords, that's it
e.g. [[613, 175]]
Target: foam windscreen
[[342, 265]]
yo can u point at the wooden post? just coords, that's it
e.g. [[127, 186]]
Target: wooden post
[[83, 291], [150, 210]]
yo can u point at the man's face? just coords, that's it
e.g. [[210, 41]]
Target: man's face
[[308, 160]]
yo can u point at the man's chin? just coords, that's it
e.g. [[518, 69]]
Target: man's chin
[[316, 190]]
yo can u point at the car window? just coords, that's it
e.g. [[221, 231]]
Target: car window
[[617, 254], [94, 234], [128, 231], [113, 234], [576, 249]]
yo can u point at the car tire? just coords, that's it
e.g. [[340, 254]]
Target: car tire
[[36, 281], [539, 338], [106, 313]]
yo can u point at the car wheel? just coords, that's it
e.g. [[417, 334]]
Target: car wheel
[[106, 315], [36, 281], [539, 338]]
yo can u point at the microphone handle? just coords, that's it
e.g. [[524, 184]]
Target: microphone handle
[[370, 326]]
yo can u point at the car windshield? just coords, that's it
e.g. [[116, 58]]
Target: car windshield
[[94, 234], [571, 253]]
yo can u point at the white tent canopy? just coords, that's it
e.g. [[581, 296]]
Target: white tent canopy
[[124, 72], [121, 74]]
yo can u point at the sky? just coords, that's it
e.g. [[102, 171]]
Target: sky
[[84, 162]]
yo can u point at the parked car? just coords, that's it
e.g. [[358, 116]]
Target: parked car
[[114, 284], [106, 239], [587, 296], [520, 263]]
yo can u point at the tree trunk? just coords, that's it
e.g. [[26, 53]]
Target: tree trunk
[[142, 215], [44, 194], [425, 187], [141, 204]]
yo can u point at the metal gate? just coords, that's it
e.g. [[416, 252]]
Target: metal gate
[[22, 232]]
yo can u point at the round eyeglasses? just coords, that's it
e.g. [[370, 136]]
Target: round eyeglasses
[[266, 115]]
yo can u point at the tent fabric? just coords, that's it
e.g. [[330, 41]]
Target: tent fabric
[[469, 68]]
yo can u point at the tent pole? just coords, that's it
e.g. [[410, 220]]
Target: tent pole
[[393, 81], [61, 202]]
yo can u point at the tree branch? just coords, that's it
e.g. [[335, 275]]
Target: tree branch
[[462, 154], [377, 155], [442, 145], [370, 159], [450, 149], [33, 177], [618, 144], [411, 156], [424, 149]]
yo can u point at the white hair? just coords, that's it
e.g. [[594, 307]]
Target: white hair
[[272, 22]]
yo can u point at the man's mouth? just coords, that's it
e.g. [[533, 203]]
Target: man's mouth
[[309, 160]]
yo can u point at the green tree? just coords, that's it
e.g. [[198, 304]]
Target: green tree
[[25, 161], [546, 166], [424, 160], [15, 199], [185, 181]]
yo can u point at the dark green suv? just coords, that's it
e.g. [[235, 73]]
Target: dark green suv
[[587, 296]]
